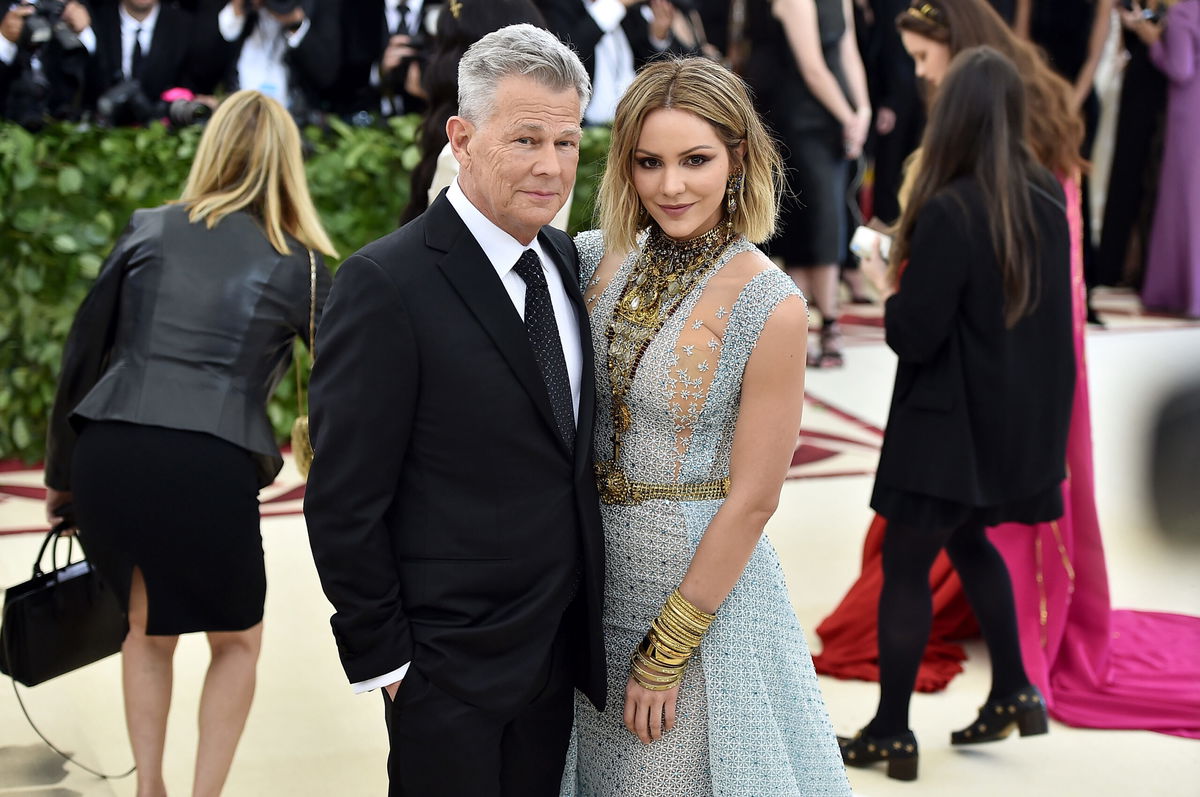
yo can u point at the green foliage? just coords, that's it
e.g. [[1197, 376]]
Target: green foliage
[[66, 194]]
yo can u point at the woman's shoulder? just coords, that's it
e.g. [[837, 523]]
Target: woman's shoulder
[[590, 244], [753, 277]]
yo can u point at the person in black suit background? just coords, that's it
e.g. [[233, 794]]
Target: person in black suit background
[[287, 49], [978, 310], [452, 507], [614, 39], [148, 41], [43, 76], [382, 42]]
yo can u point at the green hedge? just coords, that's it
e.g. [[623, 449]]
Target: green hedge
[[67, 192]]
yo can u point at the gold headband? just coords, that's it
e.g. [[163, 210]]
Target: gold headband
[[926, 12]]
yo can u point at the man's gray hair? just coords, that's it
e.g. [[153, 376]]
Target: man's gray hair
[[513, 51]]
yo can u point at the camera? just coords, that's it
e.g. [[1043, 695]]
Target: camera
[[127, 104], [44, 24]]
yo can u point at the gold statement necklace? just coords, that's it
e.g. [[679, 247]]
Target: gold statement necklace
[[664, 273]]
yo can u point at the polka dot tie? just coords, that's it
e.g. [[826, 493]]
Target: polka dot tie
[[547, 345]]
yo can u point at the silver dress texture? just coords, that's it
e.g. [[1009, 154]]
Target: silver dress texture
[[751, 721]]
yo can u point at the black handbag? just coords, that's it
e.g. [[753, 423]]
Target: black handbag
[[60, 620]]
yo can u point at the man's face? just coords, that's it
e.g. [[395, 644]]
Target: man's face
[[139, 6], [518, 167]]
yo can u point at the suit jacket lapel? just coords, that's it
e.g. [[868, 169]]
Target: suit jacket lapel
[[567, 261], [473, 278]]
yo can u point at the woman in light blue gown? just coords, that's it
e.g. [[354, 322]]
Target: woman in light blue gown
[[700, 345]]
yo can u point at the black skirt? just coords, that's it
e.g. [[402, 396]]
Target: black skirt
[[929, 512], [183, 507]]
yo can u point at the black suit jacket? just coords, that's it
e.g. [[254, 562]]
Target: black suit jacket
[[446, 515], [980, 413], [168, 63]]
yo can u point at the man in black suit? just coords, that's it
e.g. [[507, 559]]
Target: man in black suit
[[142, 40], [380, 40], [451, 508]]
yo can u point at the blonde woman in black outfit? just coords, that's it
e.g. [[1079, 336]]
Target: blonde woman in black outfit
[[159, 434], [979, 314]]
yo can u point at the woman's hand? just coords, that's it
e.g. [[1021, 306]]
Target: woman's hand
[[55, 500], [854, 132], [649, 714], [875, 268], [1133, 20]]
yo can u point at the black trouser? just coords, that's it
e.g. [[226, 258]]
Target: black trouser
[[443, 747], [906, 612]]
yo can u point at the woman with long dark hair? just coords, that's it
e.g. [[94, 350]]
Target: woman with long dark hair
[[1058, 569], [979, 314]]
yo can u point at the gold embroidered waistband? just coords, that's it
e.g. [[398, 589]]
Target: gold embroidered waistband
[[616, 489]]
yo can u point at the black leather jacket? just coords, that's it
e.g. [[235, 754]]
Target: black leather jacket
[[186, 328]]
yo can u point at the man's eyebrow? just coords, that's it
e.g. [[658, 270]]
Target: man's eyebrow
[[649, 154]]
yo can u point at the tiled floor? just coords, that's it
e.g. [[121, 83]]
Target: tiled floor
[[307, 734]]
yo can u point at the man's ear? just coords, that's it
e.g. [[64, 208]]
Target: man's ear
[[459, 132]]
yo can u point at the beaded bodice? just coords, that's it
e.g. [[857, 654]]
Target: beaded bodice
[[684, 395]]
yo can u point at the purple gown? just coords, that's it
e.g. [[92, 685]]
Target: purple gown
[[1173, 265]]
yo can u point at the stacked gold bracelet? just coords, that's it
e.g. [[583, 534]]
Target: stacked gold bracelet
[[661, 659]]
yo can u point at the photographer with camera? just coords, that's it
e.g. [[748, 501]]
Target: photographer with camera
[[614, 38], [384, 46], [146, 52], [287, 49], [44, 46]]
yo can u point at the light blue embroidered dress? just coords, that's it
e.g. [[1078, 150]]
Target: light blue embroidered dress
[[751, 721]]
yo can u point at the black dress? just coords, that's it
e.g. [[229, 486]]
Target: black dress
[[1133, 181], [813, 219]]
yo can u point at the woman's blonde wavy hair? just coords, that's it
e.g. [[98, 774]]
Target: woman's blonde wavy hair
[[249, 159], [719, 97]]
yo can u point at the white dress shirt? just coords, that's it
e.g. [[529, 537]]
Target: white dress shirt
[[129, 31], [260, 64], [502, 252], [614, 60]]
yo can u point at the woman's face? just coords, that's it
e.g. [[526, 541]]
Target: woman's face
[[680, 171], [932, 58]]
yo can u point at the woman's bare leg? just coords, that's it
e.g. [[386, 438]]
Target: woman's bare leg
[[146, 673], [225, 704]]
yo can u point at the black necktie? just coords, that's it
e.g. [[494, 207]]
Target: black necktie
[[402, 25], [547, 346], [135, 66]]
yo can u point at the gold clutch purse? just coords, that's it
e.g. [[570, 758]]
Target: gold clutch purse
[[302, 450]]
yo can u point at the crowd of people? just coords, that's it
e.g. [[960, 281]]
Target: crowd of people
[[593, 609]]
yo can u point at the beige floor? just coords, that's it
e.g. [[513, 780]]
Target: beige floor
[[307, 734]]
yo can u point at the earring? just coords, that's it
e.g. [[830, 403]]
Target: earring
[[733, 188]]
